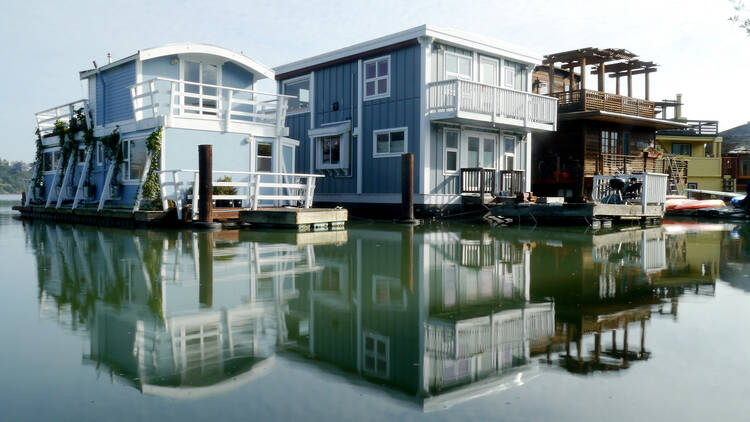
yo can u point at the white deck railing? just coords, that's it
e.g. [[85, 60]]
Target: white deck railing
[[46, 119], [494, 102], [171, 97], [651, 191], [251, 188]]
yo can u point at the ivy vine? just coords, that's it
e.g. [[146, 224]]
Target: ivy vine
[[67, 144], [113, 152], [151, 188], [39, 160]]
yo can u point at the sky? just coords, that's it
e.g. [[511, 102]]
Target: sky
[[700, 53]]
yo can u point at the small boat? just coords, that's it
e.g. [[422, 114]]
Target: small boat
[[694, 204]]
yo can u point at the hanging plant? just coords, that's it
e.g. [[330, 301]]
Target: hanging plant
[[67, 144], [113, 152], [39, 161], [151, 188]]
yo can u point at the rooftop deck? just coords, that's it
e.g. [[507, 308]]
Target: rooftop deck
[[457, 99], [590, 100], [696, 128]]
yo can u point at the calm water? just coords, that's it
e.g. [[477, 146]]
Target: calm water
[[378, 322]]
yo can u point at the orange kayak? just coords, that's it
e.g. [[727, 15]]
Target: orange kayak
[[694, 204]]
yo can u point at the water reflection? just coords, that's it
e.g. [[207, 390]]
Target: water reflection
[[435, 315]]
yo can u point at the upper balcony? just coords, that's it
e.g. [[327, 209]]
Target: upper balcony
[[46, 119], [590, 100], [695, 128], [458, 99], [201, 106]]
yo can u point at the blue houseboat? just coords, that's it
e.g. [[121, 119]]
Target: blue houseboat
[[461, 103], [134, 139]]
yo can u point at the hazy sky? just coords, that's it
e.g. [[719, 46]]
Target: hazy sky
[[45, 44]]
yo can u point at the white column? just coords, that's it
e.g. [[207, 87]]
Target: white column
[[424, 126], [527, 179], [311, 151], [360, 140]]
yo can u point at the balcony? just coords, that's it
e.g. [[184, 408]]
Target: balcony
[[695, 128], [46, 119], [461, 100], [589, 100], [209, 107]]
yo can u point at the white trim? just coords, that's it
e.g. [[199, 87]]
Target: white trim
[[425, 129], [377, 132], [298, 79], [375, 355], [454, 37], [343, 152], [527, 181], [259, 70], [360, 141], [330, 129], [312, 121], [377, 78]]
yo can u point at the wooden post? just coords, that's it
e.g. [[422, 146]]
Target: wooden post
[[617, 85], [407, 186], [583, 73], [630, 82], [206, 268], [600, 78], [551, 77], [481, 185], [647, 84], [205, 184]]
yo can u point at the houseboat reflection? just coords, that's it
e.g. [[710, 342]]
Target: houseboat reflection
[[433, 315]]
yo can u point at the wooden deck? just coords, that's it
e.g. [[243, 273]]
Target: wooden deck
[[302, 219], [576, 213]]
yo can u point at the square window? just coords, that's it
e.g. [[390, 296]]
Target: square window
[[299, 88], [390, 142], [450, 157], [377, 78]]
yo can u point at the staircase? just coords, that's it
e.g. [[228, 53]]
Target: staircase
[[676, 170]]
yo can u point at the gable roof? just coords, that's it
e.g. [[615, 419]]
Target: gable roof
[[448, 36], [258, 69]]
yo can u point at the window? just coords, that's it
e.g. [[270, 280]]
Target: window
[[390, 142], [457, 65], [450, 155], [99, 154], [134, 159], [450, 282], [388, 292], [488, 70], [509, 76], [543, 88], [745, 167], [609, 142], [682, 149], [509, 151], [80, 156], [377, 78], [299, 88], [204, 99], [264, 157], [330, 147], [376, 354], [51, 160]]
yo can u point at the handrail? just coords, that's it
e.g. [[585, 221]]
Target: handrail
[[159, 78], [262, 173], [46, 119]]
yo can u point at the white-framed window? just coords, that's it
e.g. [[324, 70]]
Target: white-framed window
[[509, 152], [264, 156], [376, 354], [450, 151], [509, 76], [543, 88], [457, 65], [134, 159], [51, 160], [488, 70], [390, 142], [299, 88], [333, 152], [99, 154], [377, 78], [197, 98], [388, 292]]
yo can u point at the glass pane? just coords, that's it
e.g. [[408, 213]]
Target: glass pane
[[509, 165], [370, 70], [137, 158], [209, 76], [451, 159], [488, 73], [370, 88], [369, 344], [397, 142], [335, 150], [509, 144], [451, 139], [382, 143], [464, 66], [382, 368], [370, 363], [382, 86], [451, 63], [192, 74], [264, 150], [489, 153], [473, 156], [48, 161], [382, 67], [264, 164], [301, 90], [326, 150], [510, 77], [381, 348]]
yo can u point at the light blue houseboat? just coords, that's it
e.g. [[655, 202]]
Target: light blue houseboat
[[143, 119], [461, 103]]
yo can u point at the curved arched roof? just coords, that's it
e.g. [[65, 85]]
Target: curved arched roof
[[259, 70]]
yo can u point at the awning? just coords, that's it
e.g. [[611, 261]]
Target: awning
[[333, 129]]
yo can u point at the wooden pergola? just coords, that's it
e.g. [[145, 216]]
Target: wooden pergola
[[616, 62]]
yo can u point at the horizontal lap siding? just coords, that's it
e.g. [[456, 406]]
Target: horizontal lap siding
[[400, 109], [113, 94]]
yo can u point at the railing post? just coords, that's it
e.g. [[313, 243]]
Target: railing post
[[205, 185], [154, 108], [481, 185], [407, 186], [494, 103], [228, 117]]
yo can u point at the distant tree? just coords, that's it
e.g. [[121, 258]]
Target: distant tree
[[12, 175], [741, 16]]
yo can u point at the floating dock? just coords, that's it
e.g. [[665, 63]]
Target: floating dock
[[582, 213], [301, 219]]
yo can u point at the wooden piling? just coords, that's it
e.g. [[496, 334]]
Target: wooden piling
[[205, 184], [407, 187]]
